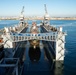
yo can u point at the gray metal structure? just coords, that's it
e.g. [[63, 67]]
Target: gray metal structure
[[11, 63]]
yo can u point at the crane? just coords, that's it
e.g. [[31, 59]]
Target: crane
[[45, 8], [22, 10]]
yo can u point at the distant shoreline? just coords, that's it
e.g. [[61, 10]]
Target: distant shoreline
[[41, 18]]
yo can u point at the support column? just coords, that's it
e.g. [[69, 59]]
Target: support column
[[16, 70], [60, 48], [8, 46]]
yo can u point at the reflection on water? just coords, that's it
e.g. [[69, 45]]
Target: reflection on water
[[34, 54], [35, 62]]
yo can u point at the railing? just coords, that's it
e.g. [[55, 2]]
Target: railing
[[11, 63]]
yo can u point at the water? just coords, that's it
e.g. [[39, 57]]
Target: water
[[7, 23], [70, 53]]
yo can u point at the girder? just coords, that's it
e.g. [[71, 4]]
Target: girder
[[29, 36]]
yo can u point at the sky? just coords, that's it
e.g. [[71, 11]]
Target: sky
[[56, 8]]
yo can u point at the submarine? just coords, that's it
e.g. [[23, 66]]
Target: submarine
[[34, 30]]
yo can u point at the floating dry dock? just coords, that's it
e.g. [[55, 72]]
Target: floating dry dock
[[15, 41]]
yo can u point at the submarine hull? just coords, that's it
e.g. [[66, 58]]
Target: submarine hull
[[34, 30]]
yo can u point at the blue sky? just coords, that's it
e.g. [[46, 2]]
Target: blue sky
[[56, 8]]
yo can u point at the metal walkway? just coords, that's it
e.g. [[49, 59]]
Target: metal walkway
[[29, 36]]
